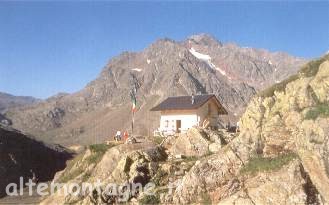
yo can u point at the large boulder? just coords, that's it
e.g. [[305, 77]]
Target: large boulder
[[193, 143], [214, 171]]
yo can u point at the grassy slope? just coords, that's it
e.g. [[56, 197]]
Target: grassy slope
[[308, 70]]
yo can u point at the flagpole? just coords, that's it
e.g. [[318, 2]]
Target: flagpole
[[132, 123], [133, 93]]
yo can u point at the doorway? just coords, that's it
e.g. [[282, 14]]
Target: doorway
[[178, 126]]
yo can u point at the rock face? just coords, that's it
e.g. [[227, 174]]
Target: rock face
[[290, 117], [122, 164], [199, 142], [199, 64], [297, 119], [21, 156], [214, 171], [193, 143], [285, 186]]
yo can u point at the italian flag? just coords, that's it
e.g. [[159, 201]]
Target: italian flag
[[133, 100]]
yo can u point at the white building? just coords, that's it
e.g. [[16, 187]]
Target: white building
[[180, 113]]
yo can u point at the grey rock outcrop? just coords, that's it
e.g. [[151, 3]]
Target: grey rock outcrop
[[286, 122], [272, 126], [193, 143], [122, 164]]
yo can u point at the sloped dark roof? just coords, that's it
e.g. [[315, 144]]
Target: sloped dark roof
[[185, 103]]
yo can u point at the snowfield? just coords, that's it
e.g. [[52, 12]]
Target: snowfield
[[199, 55], [207, 59], [137, 69]]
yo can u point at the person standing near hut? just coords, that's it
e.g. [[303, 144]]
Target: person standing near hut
[[118, 136], [125, 135]]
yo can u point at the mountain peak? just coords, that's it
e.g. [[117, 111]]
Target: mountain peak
[[204, 39], [165, 68]]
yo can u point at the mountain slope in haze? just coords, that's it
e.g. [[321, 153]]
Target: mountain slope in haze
[[199, 64], [8, 101], [19, 154]]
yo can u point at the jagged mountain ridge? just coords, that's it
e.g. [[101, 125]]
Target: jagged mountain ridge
[[199, 64], [8, 101]]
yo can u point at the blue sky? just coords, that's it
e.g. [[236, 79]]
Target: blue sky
[[51, 47]]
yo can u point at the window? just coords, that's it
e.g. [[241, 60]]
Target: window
[[166, 123]]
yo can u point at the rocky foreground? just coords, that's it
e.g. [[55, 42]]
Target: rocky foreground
[[279, 157]]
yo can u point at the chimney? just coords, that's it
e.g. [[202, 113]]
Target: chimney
[[192, 98]]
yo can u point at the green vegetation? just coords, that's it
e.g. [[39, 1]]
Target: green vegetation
[[308, 70], [190, 158], [206, 200], [99, 148], [128, 164], [268, 92], [315, 141], [150, 199], [157, 139], [262, 164], [321, 110], [71, 172], [97, 152], [312, 68], [160, 177], [86, 176]]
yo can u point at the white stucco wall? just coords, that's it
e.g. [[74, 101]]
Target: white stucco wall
[[189, 118], [187, 121]]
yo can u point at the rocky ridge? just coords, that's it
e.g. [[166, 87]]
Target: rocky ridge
[[288, 118]]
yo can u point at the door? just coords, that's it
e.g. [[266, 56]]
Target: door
[[178, 126]]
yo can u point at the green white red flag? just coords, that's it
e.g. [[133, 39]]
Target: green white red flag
[[134, 104]]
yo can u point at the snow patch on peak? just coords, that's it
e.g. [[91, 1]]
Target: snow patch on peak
[[198, 55], [207, 59], [148, 61], [270, 62], [137, 69], [217, 68]]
